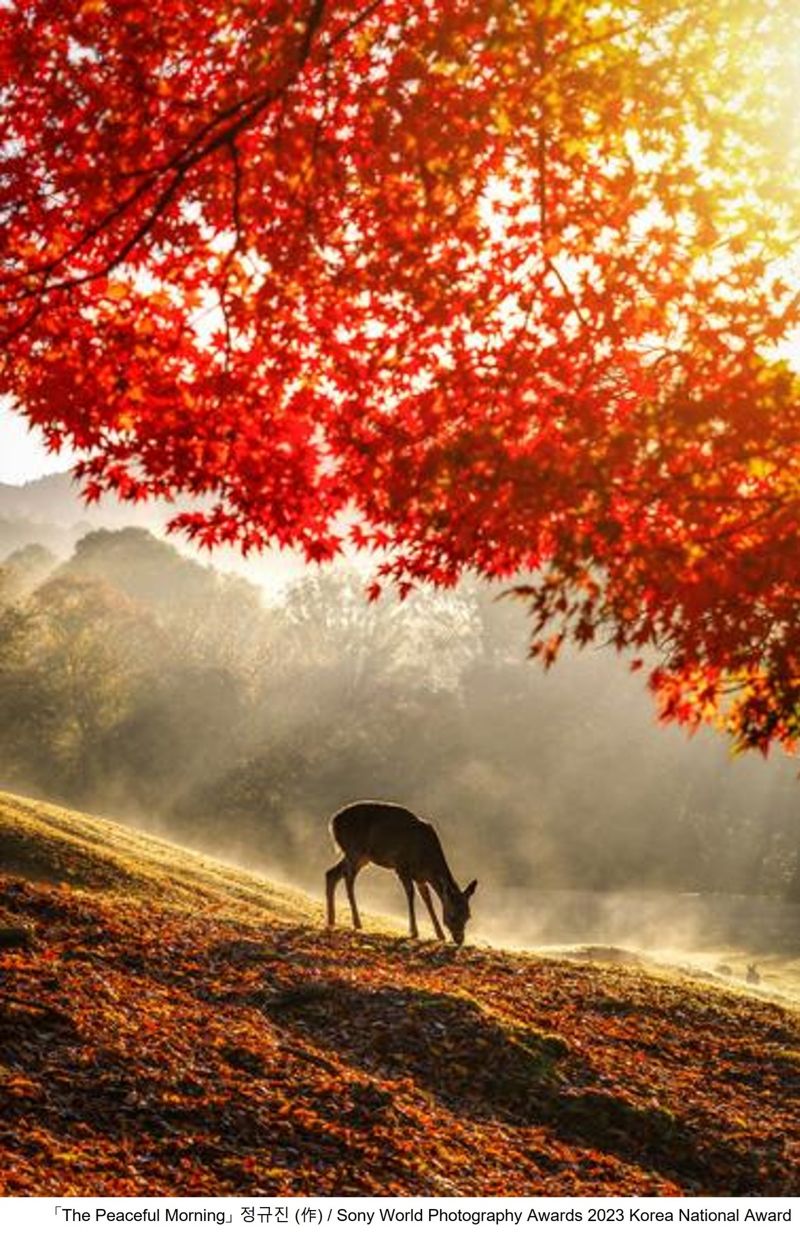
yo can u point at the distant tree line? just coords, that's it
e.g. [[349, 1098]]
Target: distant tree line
[[136, 682]]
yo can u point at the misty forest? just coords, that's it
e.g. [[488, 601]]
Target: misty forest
[[141, 684]]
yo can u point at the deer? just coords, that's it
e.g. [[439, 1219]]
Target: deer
[[395, 838]]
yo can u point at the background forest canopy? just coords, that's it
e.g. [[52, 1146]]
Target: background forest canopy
[[138, 683], [515, 282]]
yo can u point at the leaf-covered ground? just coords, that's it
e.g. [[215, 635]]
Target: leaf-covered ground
[[176, 1037]]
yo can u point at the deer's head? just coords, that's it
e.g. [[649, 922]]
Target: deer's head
[[455, 910]]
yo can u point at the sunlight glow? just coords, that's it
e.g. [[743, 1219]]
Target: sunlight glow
[[23, 453]]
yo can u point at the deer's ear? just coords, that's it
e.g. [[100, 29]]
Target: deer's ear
[[470, 888]]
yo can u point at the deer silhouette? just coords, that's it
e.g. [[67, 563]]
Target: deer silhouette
[[394, 837]]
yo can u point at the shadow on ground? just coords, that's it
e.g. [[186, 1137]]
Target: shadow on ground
[[485, 1068]]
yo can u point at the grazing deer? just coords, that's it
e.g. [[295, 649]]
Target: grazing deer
[[394, 837]]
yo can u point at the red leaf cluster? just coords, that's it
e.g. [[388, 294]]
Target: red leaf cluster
[[503, 284]]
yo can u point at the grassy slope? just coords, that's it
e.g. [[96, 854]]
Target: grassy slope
[[180, 1027]]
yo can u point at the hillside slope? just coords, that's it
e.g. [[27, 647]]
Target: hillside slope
[[171, 1026], [46, 842]]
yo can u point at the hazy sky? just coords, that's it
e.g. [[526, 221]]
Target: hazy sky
[[22, 452]]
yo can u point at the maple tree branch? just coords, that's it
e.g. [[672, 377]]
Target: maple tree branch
[[553, 268], [771, 507], [239, 116], [542, 139], [541, 56], [353, 24], [236, 194], [236, 247], [598, 40]]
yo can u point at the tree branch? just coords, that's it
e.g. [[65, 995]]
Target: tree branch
[[204, 143]]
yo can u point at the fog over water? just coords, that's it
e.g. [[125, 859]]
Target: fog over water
[[743, 942]]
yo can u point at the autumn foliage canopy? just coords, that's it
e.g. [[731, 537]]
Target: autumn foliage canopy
[[491, 285]]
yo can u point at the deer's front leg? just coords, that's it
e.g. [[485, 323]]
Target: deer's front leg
[[408, 884], [425, 893]]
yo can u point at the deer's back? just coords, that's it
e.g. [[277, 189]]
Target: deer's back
[[386, 834]]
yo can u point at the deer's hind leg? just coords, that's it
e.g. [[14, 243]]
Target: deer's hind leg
[[347, 869], [332, 878], [351, 869], [425, 893]]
